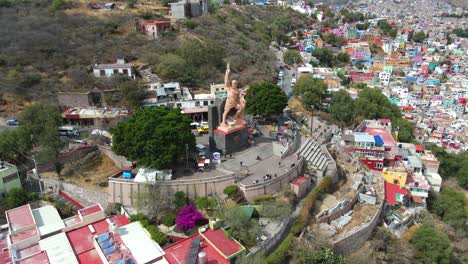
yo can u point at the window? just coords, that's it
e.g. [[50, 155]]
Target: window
[[116, 71], [379, 165], [10, 178], [102, 73], [211, 102], [125, 71], [205, 103], [197, 103], [179, 105]]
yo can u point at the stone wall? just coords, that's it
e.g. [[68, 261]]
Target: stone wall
[[355, 238], [273, 185], [73, 155], [339, 212], [83, 196], [120, 161]]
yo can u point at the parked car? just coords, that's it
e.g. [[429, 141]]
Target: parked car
[[281, 67], [287, 67], [12, 122], [293, 80], [280, 74]]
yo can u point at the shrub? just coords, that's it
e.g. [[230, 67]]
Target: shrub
[[117, 207], [56, 5], [263, 198], [281, 254], [144, 222], [17, 197], [231, 190], [188, 217], [158, 236], [138, 217], [180, 199], [205, 203], [169, 219], [432, 246]]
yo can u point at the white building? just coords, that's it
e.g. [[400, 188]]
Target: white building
[[384, 77], [108, 70]]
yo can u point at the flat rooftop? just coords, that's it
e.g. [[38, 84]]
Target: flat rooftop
[[20, 217], [58, 249], [383, 133], [90, 210], [47, 220], [143, 249]]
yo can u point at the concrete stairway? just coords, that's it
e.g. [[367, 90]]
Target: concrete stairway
[[313, 155]]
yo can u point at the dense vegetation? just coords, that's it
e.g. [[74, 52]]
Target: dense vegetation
[[155, 137], [370, 104], [67, 43], [453, 165], [265, 99]]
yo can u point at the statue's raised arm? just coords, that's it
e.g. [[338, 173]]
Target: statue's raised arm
[[227, 83]]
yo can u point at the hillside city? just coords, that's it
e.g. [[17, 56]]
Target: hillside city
[[209, 132]]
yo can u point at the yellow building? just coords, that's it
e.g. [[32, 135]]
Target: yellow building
[[395, 176]]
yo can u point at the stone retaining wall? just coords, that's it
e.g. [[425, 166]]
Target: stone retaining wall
[[355, 238], [120, 161], [83, 196]]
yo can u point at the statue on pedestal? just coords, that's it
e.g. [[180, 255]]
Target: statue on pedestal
[[235, 99]]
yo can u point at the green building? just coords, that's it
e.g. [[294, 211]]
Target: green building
[[9, 178]]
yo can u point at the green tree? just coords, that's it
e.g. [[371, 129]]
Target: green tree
[[265, 99], [242, 227], [205, 203], [231, 190], [311, 90], [406, 129], [419, 37], [180, 199], [323, 256], [292, 57], [174, 67], [153, 199], [154, 137], [131, 93], [372, 104], [56, 5], [432, 246], [462, 33], [14, 145], [342, 107], [343, 57], [325, 56], [17, 197], [42, 121], [453, 165], [275, 210], [363, 26], [450, 205]]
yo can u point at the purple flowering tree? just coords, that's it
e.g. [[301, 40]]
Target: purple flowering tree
[[187, 217]]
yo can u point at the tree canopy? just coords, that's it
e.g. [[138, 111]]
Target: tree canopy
[[432, 246], [42, 122], [453, 165], [325, 56], [372, 104], [292, 57], [341, 107], [419, 36], [311, 90], [265, 99], [154, 137], [451, 206], [242, 227], [323, 256]]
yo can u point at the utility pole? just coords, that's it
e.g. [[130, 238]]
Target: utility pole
[[36, 173], [186, 154]]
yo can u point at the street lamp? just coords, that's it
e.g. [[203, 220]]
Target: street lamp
[[186, 154]]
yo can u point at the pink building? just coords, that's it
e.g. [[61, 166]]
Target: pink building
[[154, 28]]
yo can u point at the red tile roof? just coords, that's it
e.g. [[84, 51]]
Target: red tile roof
[[226, 245], [299, 180], [178, 252], [89, 257], [91, 210], [419, 148], [390, 192]]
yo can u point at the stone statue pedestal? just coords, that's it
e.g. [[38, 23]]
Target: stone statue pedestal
[[231, 139]]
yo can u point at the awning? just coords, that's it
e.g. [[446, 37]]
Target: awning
[[419, 148], [378, 140]]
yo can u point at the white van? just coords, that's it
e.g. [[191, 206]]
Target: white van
[[68, 131]]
